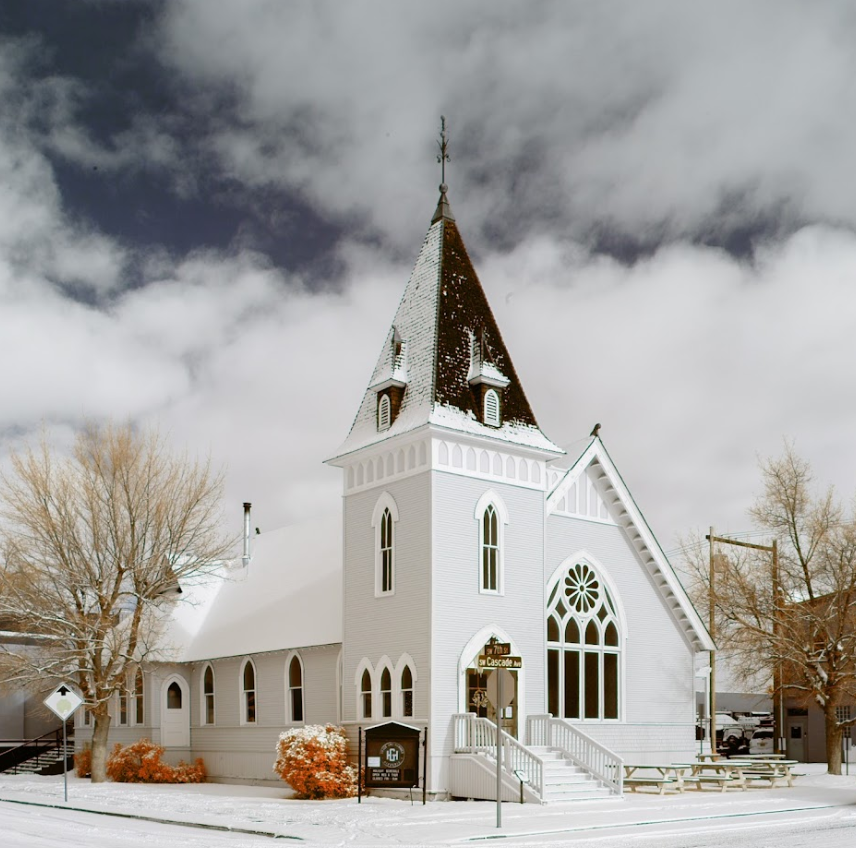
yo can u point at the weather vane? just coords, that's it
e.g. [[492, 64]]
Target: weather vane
[[443, 144]]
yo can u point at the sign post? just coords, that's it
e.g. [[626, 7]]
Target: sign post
[[497, 656], [63, 703]]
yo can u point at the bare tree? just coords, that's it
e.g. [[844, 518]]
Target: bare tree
[[796, 623], [95, 546]]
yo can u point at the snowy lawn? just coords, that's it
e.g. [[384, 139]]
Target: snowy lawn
[[378, 820]]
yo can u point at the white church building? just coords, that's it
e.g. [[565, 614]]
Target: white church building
[[461, 522]]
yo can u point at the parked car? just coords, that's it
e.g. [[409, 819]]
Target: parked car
[[761, 741]]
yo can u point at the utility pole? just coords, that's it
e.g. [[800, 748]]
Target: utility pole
[[778, 713]]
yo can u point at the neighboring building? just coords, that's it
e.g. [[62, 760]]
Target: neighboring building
[[461, 522]]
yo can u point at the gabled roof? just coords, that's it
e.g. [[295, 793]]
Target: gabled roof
[[628, 516], [289, 596], [444, 337]]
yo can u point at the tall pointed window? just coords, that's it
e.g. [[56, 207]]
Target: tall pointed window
[[583, 647], [384, 412], [295, 689], [407, 692], [383, 520], [139, 699], [248, 693], [366, 694], [492, 517], [490, 551], [123, 706], [386, 693], [491, 408], [208, 696]]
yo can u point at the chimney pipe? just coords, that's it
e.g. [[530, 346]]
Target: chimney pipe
[[245, 559]]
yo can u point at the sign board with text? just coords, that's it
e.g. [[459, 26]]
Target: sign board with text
[[500, 662], [392, 755]]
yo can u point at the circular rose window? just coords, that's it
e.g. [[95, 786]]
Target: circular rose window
[[582, 588]]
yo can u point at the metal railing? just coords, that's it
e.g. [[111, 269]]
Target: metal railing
[[475, 735], [578, 747], [11, 758]]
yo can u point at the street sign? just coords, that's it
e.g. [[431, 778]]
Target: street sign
[[507, 688], [497, 649], [500, 662], [63, 701]]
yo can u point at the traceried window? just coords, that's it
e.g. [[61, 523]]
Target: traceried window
[[386, 693], [407, 692], [248, 693], [384, 412], [208, 696], [583, 647], [490, 551], [295, 689], [386, 552], [366, 694], [491, 408], [139, 699]]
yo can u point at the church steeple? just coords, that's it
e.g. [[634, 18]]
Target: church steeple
[[444, 362]]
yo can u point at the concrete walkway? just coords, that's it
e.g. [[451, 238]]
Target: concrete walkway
[[272, 812]]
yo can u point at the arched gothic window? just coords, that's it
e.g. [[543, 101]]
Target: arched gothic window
[[490, 551], [386, 693], [583, 647], [386, 552], [248, 702], [407, 691], [384, 517], [139, 704], [366, 694], [295, 689], [208, 696], [173, 696]]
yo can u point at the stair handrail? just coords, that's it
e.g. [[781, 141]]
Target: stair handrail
[[13, 757], [578, 746], [476, 735]]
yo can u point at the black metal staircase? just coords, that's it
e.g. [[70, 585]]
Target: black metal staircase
[[42, 755]]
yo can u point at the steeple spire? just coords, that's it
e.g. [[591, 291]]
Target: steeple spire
[[443, 209]]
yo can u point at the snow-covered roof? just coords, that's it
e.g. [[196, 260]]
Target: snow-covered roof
[[442, 310], [289, 596]]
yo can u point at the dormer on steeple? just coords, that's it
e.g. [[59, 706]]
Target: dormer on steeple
[[487, 382], [389, 389]]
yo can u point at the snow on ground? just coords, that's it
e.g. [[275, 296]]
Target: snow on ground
[[378, 821]]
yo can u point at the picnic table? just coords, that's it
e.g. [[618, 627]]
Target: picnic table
[[718, 773], [661, 775], [772, 769]]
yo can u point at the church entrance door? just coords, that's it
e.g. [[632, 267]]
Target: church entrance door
[[477, 701]]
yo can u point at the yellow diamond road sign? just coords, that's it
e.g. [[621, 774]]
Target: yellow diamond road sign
[[63, 701]]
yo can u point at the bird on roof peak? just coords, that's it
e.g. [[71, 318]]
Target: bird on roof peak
[[595, 432]]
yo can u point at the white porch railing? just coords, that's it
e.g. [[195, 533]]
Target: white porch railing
[[579, 747], [474, 735]]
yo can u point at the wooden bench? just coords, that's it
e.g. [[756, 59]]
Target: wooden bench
[[660, 782]]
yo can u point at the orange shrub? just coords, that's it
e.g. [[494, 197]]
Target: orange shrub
[[141, 762], [83, 762], [313, 760]]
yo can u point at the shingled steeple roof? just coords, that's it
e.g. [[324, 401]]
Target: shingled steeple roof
[[444, 341]]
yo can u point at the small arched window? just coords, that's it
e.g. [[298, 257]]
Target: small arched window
[[386, 551], [208, 696], [366, 694], [173, 696], [491, 408], [139, 702], [295, 689], [490, 551], [407, 691], [386, 693], [383, 520], [248, 701], [384, 412]]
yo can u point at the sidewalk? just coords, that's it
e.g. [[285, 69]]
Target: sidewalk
[[272, 812]]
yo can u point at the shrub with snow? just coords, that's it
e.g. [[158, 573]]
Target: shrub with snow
[[313, 760], [141, 762], [83, 762]]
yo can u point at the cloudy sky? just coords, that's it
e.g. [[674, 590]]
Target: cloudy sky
[[209, 209]]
